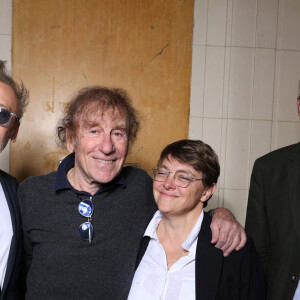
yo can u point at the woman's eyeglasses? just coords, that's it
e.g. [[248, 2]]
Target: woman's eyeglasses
[[86, 229], [181, 178], [5, 116]]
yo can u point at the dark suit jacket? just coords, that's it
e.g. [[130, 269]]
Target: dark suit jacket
[[239, 276], [10, 290], [273, 218]]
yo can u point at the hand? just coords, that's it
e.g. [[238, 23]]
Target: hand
[[227, 233]]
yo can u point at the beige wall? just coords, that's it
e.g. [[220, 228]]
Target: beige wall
[[245, 74], [246, 67]]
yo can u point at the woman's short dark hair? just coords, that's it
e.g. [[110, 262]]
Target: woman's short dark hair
[[196, 154], [97, 98]]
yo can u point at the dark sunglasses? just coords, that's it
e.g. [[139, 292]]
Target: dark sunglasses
[[5, 116], [86, 230]]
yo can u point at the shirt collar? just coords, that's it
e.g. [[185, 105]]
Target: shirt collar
[[188, 243], [194, 234], [62, 182], [151, 229]]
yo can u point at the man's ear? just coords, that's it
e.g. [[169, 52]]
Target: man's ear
[[298, 104], [13, 136], [70, 142], [208, 193]]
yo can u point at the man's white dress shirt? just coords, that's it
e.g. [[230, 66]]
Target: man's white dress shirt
[[6, 233]]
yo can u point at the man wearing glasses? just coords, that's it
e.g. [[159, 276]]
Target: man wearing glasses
[[83, 224], [273, 218], [13, 100]]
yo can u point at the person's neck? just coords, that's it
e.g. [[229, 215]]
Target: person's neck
[[80, 184], [177, 228]]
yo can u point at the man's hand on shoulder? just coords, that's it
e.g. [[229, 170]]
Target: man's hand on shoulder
[[227, 233]]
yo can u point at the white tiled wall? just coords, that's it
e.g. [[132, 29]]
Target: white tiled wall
[[245, 74], [5, 54]]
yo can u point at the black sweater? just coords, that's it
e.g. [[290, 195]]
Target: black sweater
[[62, 266]]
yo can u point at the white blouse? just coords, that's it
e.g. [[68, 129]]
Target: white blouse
[[153, 280]]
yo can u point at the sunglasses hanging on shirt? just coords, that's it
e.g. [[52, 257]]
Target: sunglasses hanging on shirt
[[86, 229]]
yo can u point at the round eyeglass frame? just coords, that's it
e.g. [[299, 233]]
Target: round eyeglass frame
[[183, 185]]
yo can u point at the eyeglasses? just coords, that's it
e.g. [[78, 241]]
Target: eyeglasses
[[181, 178], [86, 229], [5, 116]]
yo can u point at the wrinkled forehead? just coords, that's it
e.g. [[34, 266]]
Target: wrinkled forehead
[[94, 113]]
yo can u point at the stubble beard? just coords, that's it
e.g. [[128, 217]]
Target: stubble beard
[[3, 144], [6, 140]]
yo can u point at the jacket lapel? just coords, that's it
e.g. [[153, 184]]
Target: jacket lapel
[[209, 262], [294, 186], [143, 248]]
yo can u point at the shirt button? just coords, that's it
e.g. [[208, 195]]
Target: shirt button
[[295, 278]]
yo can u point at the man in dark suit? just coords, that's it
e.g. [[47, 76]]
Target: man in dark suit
[[273, 218], [13, 100]]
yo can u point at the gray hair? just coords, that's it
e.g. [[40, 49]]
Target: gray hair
[[98, 98], [22, 94]]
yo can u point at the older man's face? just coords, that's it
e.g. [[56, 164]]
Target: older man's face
[[298, 103], [100, 148], [8, 101]]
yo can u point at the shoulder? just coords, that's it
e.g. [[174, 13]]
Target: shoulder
[[33, 189], [246, 251], [246, 260], [135, 174], [280, 154], [139, 189], [33, 183], [244, 269], [8, 178]]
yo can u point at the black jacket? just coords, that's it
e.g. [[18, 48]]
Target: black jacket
[[273, 219], [238, 276]]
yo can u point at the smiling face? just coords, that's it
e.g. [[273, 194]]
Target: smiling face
[[8, 101], [100, 148], [178, 201]]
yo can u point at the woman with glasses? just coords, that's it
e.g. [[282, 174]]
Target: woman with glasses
[[176, 259]]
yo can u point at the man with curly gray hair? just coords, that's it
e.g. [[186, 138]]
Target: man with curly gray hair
[[83, 224], [13, 100]]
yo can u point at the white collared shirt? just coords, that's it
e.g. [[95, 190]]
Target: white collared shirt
[[6, 233], [153, 280]]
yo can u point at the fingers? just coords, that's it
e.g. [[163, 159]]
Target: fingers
[[220, 226], [243, 241], [215, 232], [227, 233], [231, 245], [235, 242], [224, 238]]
